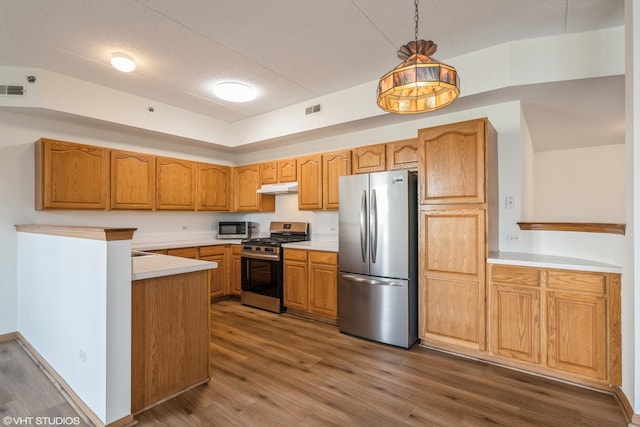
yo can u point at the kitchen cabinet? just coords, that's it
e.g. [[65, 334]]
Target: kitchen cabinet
[[458, 227], [323, 283], [246, 182], [218, 277], [287, 170], [190, 252], [71, 176], [334, 165], [175, 184], [310, 182], [402, 154], [311, 283], [563, 323], [236, 271], [133, 180], [452, 286], [213, 183], [269, 172], [452, 161], [296, 288], [169, 337], [370, 158]]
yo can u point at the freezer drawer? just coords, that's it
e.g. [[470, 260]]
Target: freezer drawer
[[378, 309]]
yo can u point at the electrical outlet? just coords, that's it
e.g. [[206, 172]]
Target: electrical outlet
[[82, 355], [513, 237], [509, 202], [184, 227]]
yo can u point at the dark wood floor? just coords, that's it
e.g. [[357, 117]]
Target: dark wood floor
[[281, 370]]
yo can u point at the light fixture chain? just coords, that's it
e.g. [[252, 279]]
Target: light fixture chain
[[416, 19]]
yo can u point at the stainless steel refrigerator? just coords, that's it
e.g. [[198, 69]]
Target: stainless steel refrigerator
[[378, 252]]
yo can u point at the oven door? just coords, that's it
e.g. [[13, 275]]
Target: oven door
[[262, 276]]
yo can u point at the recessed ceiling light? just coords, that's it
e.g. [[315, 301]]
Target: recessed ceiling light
[[235, 92], [123, 62]]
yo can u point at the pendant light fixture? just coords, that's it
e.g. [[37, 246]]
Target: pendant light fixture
[[419, 83]]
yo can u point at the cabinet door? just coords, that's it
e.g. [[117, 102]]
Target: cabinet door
[[71, 176], [287, 170], [577, 336], [246, 183], [334, 165], [133, 180], [323, 283], [217, 276], [371, 158], [452, 283], [296, 295], [402, 154], [236, 270], [452, 163], [213, 187], [175, 184], [515, 322], [269, 172], [310, 182]]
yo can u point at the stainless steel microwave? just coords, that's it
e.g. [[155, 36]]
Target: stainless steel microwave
[[236, 229]]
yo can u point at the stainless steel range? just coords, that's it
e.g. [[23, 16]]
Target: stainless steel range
[[261, 258]]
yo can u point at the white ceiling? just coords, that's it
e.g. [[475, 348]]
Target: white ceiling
[[291, 50]]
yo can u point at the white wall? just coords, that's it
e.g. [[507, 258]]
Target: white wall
[[580, 185], [74, 308]]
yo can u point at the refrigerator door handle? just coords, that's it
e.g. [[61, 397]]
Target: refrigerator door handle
[[373, 227], [363, 226]]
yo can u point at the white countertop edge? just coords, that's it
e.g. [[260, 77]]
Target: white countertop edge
[[172, 244], [165, 265], [311, 245], [551, 261]]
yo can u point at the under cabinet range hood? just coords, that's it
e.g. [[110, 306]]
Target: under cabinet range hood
[[283, 188]]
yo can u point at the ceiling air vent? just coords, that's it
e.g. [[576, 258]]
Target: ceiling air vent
[[313, 109], [11, 90]]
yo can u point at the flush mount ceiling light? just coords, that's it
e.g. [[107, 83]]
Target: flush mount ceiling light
[[234, 92], [419, 83], [122, 62]]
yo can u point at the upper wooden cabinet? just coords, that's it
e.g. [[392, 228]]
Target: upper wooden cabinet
[[310, 182], [246, 182], [213, 187], [370, 158], [287, 170], [453, 162], [133, 180], [269, 172], [334, 165], [402, 154], [71, 176], [175, 184]]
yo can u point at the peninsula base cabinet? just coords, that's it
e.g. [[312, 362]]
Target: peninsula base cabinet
[[563, 323]]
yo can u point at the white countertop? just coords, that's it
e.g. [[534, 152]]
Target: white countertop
[[314, 245], [551, 261], [156, 265], [171, 241]]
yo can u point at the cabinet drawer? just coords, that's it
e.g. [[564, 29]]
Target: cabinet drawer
[[323, 257], [515, 275], [295, 254], [593, 283], [183, 252], [211, 250]]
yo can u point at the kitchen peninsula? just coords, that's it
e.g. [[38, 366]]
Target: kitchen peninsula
[[115, 345]]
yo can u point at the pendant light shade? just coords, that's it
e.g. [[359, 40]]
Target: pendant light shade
[[419, 83]]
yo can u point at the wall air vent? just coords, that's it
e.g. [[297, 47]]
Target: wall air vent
[[313, 109], [7, 90]]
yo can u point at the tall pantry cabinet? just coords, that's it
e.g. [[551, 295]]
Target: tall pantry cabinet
[[458, 226]]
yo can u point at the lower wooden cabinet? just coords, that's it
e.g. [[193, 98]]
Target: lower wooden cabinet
[[561, 322], [235, 272], [218, 277], [311, 283]]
